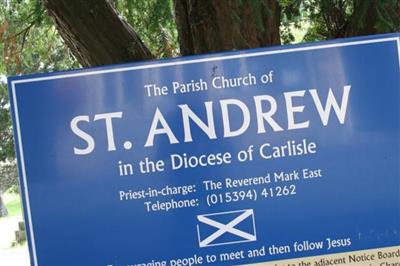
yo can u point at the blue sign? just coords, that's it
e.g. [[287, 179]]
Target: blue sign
[[231, 158]]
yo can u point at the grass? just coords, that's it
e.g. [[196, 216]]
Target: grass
[[9, 223], [13, 204]]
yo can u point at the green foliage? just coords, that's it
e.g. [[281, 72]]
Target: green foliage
[[292, 15], [154, 21], [6, 138], [388, 16], [29, 41], [13, 204]]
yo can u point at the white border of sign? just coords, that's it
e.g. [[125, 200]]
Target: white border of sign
[[166, 64]]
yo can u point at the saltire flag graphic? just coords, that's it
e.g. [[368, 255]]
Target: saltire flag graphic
[[226, 228]]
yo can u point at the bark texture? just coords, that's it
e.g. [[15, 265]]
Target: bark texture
[[212, 25], [95, 33]]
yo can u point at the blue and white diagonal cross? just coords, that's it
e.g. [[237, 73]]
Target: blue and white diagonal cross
[[226, 228]]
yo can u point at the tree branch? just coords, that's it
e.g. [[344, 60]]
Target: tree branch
[[95, 33]]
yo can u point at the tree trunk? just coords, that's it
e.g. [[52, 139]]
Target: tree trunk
[[95, 33], [97, 36], [212, 26], [364, 18]]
